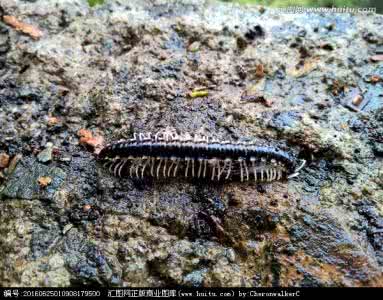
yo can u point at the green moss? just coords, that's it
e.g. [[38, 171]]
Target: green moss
[[95, 2]]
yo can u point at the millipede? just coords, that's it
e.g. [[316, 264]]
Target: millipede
[[167, 154]]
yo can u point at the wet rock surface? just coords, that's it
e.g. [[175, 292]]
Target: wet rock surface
[[125, 67]]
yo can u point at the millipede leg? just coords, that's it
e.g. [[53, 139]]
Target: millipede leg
[[279, 174], [144, 167], [138, 167], [301, 166], [275, 173], [113, 164], [200, 167], [218, 169], [192, 167], [152, 165], [116, 166], [215, 166], [158, 168], [107, 163], [176, 168], [229, 168], [187, 166], [261, 174], [204, 167], [246, 170], [171, 165], [165, 161], [122, 166], [252, 159], [240, 165], [225, 164]]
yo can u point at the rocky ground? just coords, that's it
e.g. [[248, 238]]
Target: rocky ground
[[73, 77]]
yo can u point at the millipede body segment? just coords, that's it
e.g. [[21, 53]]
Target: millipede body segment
[[164, 155]]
